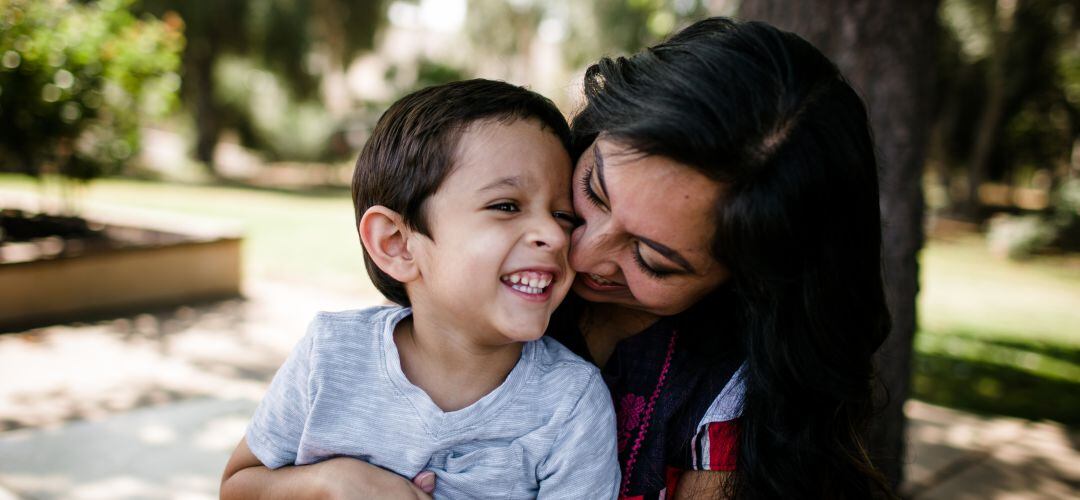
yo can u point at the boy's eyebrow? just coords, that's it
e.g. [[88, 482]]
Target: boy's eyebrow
[[514, 181]]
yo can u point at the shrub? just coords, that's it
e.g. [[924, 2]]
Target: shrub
[[76, 79]]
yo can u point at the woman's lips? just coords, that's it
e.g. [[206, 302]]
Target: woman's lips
[[599, 284]]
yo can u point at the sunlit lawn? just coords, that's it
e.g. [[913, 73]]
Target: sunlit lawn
[[300, 237], [997, 336]]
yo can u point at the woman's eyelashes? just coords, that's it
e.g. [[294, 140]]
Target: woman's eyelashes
[[646, 268], [569, 218], [586, 187]]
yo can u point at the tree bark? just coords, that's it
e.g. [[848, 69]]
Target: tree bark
[[199, 93], [994, 111], [886, 49]]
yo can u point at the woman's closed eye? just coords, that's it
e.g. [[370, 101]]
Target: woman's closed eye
[[648, 269], [586, 188]]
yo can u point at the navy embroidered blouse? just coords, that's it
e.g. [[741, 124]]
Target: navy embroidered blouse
[[675, 410]]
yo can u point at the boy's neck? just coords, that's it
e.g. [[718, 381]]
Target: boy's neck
[[451, 366]]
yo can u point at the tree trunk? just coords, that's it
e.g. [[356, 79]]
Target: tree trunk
[[886, 49], [328, 15], [199, 93], [993, 116]]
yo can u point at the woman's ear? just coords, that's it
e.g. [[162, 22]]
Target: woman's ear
[[385, 237]]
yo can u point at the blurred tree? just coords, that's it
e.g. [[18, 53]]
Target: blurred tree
[[884, 49], [506, 29], [304, 43], [75, 81], [614, 27], [1006, 109]]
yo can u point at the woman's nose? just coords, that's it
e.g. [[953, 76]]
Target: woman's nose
[[592, 250]]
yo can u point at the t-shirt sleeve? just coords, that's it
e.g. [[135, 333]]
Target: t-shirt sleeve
[[715, 444], [584, 462], [274, 433]]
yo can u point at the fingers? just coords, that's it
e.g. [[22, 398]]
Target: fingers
[[425, 481]]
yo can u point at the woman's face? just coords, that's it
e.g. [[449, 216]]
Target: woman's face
[[646, 237]]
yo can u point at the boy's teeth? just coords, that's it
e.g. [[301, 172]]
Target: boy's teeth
[[529, 280], [528, 289]]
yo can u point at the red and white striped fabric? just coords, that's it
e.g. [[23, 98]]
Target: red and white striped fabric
[[716, 442]]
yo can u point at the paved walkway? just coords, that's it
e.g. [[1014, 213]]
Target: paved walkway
[[150, 406]]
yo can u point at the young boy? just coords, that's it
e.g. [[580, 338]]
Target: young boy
[[462, 198]]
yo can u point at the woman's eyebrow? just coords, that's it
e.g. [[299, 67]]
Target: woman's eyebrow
[[669, 253], [598, 159]]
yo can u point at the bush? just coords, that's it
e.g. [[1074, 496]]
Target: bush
[[270, 117], [76, 79], [1018, 236]]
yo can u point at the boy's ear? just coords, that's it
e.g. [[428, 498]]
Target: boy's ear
[[385, 238]]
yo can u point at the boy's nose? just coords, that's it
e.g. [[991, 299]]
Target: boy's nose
[[549, 234]]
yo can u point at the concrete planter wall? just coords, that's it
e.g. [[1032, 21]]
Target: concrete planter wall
[[173, 268]]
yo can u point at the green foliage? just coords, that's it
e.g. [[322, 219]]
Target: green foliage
[[1065, 215], [297, 42], [75, 81], [591, 29], [273, 118], [1009, 72], [619, 27], [1018, 236], [430, 73], [1023, 236]]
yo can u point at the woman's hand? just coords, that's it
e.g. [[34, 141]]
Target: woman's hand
[[695, 484], [349, 478], [338, 478]]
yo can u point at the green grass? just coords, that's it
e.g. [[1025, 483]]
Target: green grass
[[997, 336], [302, 237]]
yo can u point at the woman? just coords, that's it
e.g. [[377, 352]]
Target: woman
[[728, 191], [729, 271]]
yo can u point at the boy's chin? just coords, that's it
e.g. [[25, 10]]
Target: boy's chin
[[525, 333]]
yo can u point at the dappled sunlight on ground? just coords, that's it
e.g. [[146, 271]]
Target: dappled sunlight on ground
[[956, 455], [176, 451], [226, 349]]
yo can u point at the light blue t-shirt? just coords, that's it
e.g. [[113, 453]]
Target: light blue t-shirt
[[547, 431]]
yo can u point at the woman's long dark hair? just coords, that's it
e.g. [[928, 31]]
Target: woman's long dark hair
[[799, 227]]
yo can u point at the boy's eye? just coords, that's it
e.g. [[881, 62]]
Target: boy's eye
[[505, 206]]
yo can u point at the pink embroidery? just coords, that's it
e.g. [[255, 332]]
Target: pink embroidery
[[648, 415], [629, 416]]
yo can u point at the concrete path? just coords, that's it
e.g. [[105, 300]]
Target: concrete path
[[150, 406]]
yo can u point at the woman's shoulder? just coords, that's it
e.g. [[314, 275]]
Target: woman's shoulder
[[728, 403]]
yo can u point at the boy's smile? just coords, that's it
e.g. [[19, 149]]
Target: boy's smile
[[496, 264], [532, 284]]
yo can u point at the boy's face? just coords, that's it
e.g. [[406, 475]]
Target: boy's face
[[496, 264]]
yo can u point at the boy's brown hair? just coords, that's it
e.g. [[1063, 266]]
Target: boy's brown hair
[[411, 150]]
